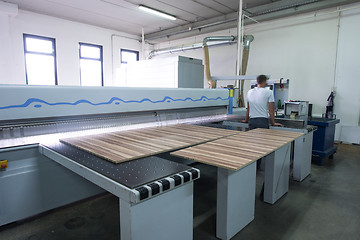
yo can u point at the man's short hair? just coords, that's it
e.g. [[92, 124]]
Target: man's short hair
[[261, 78]]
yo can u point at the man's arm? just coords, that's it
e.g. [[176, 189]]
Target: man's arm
[[247, 114], [272, 115]]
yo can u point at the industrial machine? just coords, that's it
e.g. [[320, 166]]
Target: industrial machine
[[39, 173], [36, 164], [297, 110]]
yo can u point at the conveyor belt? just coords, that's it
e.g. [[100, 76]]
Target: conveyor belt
[[131, 174]]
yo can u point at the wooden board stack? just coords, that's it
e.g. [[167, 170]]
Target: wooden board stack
[[123, 146], [237, 151]]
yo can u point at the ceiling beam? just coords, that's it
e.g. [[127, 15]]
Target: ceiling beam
[[230, 20], [278, 5]]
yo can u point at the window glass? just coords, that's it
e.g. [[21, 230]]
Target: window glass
[[91, 74], [39, 45], [40, 69], [40, 60], [129, 56], [91, 65], [89, 52]]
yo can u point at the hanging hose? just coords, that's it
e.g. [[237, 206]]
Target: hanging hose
[[212, 83], [245, 57]]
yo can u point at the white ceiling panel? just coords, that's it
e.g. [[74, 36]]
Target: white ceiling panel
[[124, 15]]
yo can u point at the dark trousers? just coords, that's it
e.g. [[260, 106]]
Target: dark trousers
[[258, 123]]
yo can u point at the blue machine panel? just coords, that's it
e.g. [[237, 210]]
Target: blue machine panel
[[24, 102]]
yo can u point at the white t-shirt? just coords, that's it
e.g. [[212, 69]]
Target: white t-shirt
[[258, 99]]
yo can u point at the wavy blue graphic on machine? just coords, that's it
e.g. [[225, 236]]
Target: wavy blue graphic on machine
[[38, 103]]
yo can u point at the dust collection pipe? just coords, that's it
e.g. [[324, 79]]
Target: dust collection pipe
[[247, 39], [212, 83]]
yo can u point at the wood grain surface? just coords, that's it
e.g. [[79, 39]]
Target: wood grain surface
[[237, 151], [123, 146]]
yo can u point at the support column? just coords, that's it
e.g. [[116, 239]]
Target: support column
[[277, 170], [235, 200], [302, 156], [167, 216]]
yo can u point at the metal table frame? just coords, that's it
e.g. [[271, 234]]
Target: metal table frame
[[236, 191], [148, 219]]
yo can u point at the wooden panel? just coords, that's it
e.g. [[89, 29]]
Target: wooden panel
[[237, 151], [128, 145], [279, 133]]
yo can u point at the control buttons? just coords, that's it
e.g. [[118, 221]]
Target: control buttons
[[3, 164]]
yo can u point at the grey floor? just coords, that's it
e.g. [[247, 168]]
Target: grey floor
[[326, 205]]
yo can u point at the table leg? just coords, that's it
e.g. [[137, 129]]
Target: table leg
[[235, 200], [167, 216], [277, 170], [302, 157]]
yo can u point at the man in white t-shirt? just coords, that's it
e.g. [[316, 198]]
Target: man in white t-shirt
[[260, 106]]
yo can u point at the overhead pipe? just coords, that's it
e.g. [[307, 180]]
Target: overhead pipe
[[174, 49], [183, 48]]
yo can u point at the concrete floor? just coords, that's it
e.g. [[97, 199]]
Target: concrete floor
[[326, 205]]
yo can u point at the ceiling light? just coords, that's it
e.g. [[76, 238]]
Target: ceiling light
[[156, 12]]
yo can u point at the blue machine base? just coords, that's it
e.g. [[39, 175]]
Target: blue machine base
[[320, 155]]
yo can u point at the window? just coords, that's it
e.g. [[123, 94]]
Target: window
[[40, 60], [91, 65], [129, 56]]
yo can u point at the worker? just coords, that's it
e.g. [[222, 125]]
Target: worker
[[260, 107]]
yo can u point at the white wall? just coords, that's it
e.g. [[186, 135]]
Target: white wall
[[347, 84], [68, 34], [303, 49]]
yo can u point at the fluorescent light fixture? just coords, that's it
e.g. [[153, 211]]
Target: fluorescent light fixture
[[156, 12]]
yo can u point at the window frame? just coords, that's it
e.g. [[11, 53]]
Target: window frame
[[95, 59], [129, 51], [53, 42]]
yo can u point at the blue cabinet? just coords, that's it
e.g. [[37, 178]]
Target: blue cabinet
[[323, 140]]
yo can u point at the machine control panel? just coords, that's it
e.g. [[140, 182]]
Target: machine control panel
[[3, 164]]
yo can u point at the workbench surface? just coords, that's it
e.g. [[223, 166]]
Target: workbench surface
[[128, 145], [237, 151]]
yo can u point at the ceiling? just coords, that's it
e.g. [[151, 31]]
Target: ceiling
[[193, 16]]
